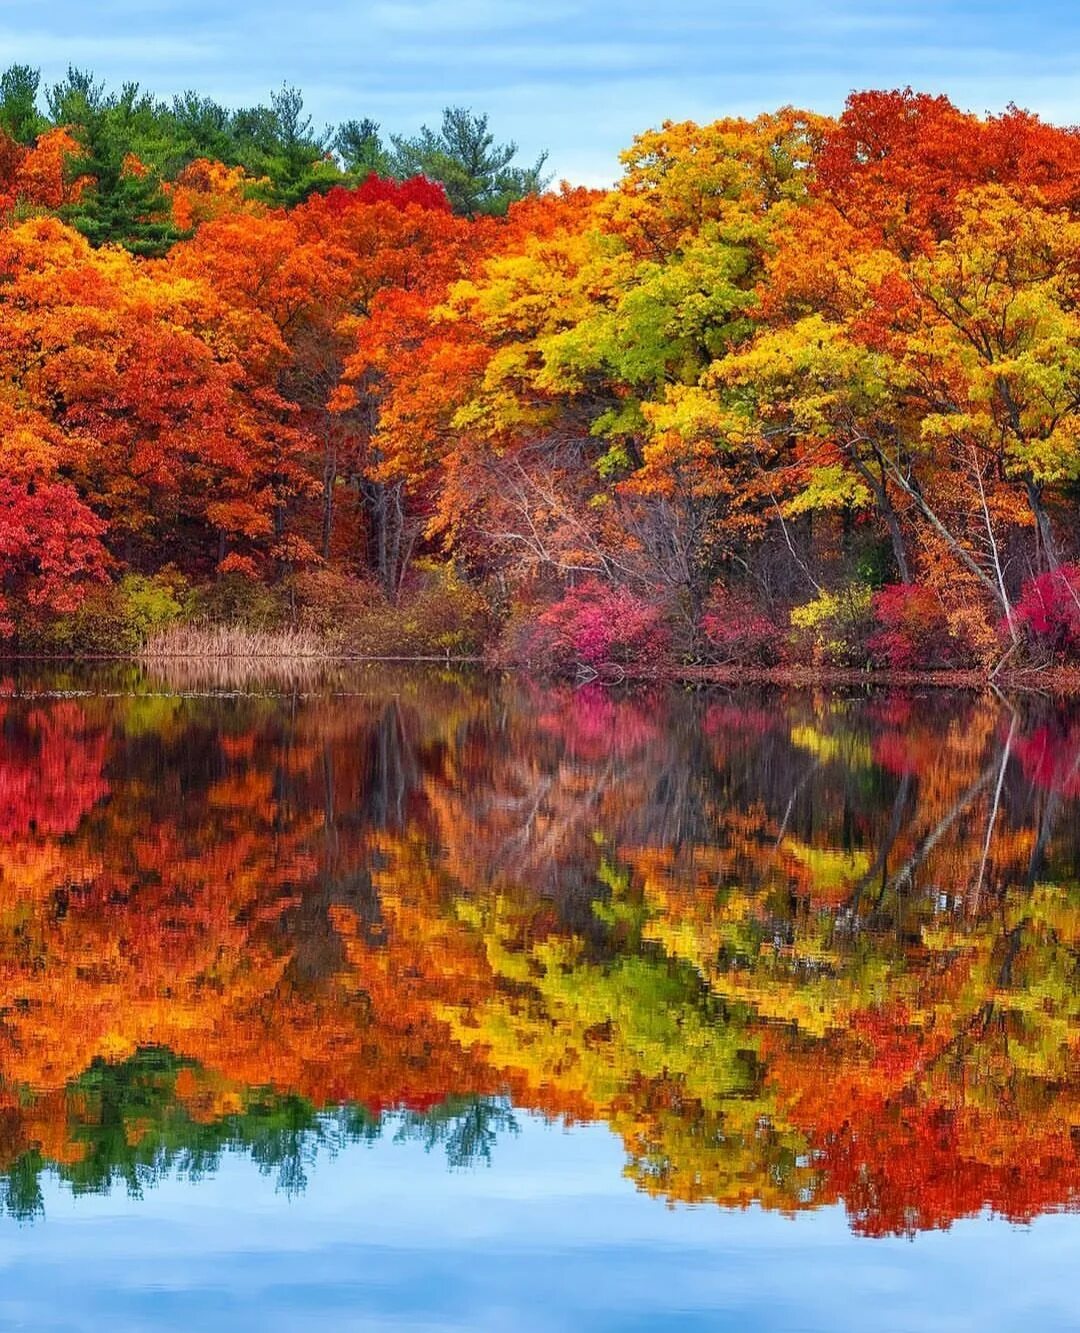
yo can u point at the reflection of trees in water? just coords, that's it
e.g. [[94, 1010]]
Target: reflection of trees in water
[[133, 1126], [780, 945], [466, 1128]]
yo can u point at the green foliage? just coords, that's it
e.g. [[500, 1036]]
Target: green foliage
[[152, 601], [19, 115], [829, 486], [124, 202], [234, 599], [439, 614], [276, 141], [133, 1130], [280, 142], [462, 155], [113, 620], [201, 128], [359, 145]]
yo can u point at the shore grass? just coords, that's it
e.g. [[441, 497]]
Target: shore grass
[[234, 642], [229, 654]]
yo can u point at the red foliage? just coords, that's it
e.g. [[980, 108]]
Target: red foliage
[[49, 545], [1050, 758], [51, 771], [897, 162], [595, 626], [593, 725], [417, 191], [1049, 609], [914, 628], [739, 631]]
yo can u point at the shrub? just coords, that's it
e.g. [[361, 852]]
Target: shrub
[[1049, 611], [235, 599], [593, 627], [113, 620], [738, 631], [914, 629], [438, 614], [329, 602], [835, 626], [151, 602]]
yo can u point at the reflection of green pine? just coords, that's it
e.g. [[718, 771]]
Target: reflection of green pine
[[20, 1187], [466, 1126], [120, 207], [281, 1132]]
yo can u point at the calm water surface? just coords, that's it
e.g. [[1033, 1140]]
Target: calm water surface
[[422, 1001]]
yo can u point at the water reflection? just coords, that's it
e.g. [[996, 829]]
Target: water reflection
[[794, 950]]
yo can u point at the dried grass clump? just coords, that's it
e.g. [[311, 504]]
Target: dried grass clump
[[236, 642]]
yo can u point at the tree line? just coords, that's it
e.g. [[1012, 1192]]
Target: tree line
[[796, 389], [277, 143]]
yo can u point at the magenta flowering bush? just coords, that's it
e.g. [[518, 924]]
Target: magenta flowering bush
[[1049, 611], [595, 627]]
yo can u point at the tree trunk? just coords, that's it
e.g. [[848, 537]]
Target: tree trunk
[[329, 481], [388, 547], [1043, 525], [880, 491]]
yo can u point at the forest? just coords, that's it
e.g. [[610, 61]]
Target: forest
[[796, 390]]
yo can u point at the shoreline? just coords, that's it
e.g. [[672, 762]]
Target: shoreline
[[1048, 680]]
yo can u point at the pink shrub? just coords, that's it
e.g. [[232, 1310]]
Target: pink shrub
[[1049, 610], [596, 626], [913, 629], [738, 631]]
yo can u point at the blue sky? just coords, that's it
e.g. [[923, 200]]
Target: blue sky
[[550, 1238], [576, 77]]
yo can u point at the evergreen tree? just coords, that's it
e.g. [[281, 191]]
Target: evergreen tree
[[477, 173], [123, 203], [19, 116], [361, 149]]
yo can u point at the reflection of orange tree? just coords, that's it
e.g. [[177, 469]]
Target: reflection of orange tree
[[932, 1072], [810, 956], [212, 913]]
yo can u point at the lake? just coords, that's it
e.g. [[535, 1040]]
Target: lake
[[419, 1000]]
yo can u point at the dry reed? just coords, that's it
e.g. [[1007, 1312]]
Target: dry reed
[[234, 642]]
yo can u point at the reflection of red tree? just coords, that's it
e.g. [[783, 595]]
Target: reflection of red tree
[[1051, 758], [51, 770], [908, 1168], [593, 724], [911, 1129], [727, 719]]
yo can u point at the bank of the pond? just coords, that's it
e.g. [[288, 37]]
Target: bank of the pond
[[273, 653], [1051, 680]]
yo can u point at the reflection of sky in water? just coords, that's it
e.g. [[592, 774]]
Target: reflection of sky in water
[[549, 1238]]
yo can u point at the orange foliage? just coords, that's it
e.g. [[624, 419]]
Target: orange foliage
[[818, 994]]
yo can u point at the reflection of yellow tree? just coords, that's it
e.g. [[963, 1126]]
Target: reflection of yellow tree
[[632, 1040], [787, 955]]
